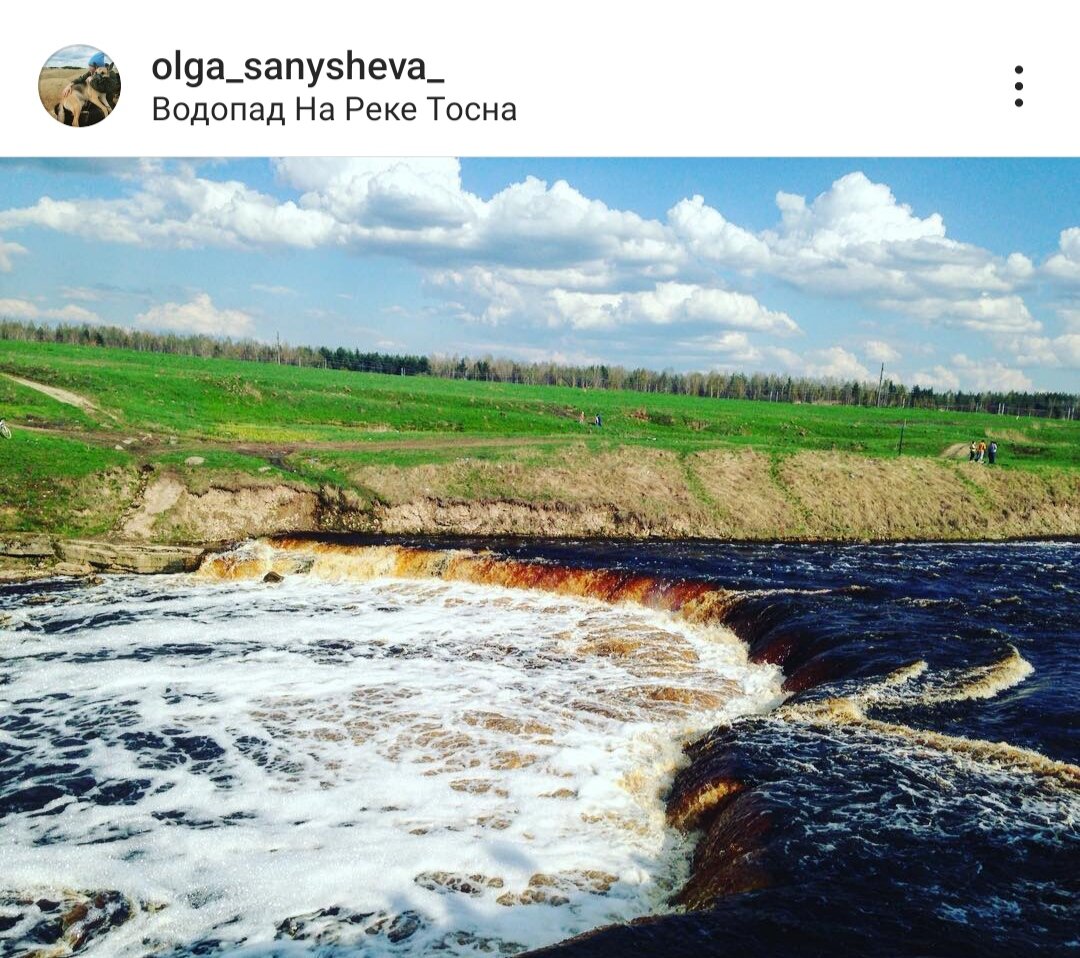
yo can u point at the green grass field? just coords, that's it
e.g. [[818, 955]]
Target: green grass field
[[237, 402], [323, 426]]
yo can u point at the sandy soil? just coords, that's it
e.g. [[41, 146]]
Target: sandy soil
[[60, 395], [729, 494], [170, 512]]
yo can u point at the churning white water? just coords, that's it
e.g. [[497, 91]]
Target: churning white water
[[384, 767]]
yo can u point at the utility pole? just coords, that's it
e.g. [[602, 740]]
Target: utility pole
[[903, 426], [880, 383]]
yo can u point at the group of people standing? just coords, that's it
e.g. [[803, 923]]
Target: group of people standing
[[979, 451]]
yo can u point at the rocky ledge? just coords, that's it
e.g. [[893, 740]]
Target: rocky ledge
[[31, 555]]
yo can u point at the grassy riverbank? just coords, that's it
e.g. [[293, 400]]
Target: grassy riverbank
[[164, 447]]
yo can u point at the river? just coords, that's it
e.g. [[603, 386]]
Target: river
[[418, 748]]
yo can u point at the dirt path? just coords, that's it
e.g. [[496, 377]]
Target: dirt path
[[956, 451], [60, 395], [452, 440], [278, 449]]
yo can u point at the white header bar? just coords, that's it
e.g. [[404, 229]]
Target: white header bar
[[771, 78]]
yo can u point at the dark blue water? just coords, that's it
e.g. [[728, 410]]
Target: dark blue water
[[859, 611], [945, 821], [870, 840]]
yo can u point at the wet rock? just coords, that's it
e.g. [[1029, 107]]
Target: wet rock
[[466, 942], [556, 889], [532, 896], [471, 885], [273, 576], [714, 776], [403, 926], [62, 925], [820, 670], [27, 546], [775, 649], [130, 557], [731, 858], [341, 926], [78, 569]]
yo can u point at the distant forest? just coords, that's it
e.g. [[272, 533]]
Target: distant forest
[[716, 385]]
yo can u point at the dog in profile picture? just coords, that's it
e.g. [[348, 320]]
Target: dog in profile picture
[[79, 86]]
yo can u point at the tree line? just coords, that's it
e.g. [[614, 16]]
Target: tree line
[[716, 385], [214, 347]]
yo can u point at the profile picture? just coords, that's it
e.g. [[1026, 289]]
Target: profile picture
[[79, 85]]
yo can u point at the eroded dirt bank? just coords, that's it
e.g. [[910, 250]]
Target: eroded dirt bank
[[634, 493], [730, 495]]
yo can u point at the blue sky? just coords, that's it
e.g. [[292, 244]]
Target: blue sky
[[78, 55], [954, 273]]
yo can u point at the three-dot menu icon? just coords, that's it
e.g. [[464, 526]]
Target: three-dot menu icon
[[1019, 85]]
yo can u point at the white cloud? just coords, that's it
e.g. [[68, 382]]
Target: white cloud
[[1070, 315], [526, 353], [857, 240], [735, 344], [418, 208], [414, 208], [853, 211], [988, 314], [669, 303], [26, 310], [1065, 264], [835, 363], [19, 309], [484, 295], [545, 254], [7, 250], [989, 374], [397, 192], [491, 297], [1019, 267], [1062, 352], [74, 314], [939, 377], [182, 210], [199, 315], [738, 352], [83, 293], [880, 352], [978, 375], [273, 290], [707, 234]]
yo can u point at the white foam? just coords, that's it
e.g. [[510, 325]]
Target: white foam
[[372, 735]]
